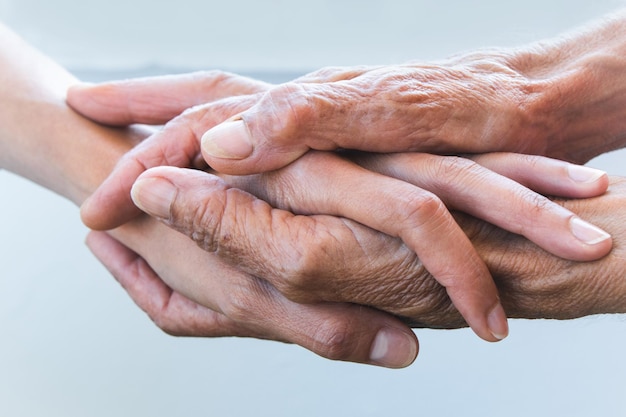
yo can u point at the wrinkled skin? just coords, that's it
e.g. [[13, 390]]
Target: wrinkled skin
[[416, 213], [561, 98], [543, 99], [532, 283]]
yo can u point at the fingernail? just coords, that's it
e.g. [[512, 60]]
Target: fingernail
[[496, 320], [581, 173], [586, 232], [229, 140], [154, 196], [393, 349]]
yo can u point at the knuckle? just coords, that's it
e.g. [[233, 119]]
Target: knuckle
[[451, 169], [290, 107], [250, 302], [333, 339], [167, 325], [186, 114], [419, 207], [325, 74], [215, 80], [202, 218], [530, 209], [531, 163], [537, 204], [234, 84], [212, 78], [240, 306], [301, 276], [305, 271], [336, 73]]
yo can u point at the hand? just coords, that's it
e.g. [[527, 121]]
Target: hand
[[474, 295], [242, 305], [312, 258], [532, 284], [45, 141], [561, 98]]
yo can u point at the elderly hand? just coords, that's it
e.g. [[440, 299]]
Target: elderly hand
[[532, 284], [45, 141], [412, 213], [223, 301], [562, 98]]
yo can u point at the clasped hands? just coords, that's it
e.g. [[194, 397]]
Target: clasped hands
[[306, 242]]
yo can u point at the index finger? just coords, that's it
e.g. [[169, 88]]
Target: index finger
[[156, 100]]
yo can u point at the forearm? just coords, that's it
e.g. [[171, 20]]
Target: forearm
[[575, 95], [40, 137]]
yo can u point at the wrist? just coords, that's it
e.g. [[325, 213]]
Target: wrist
[[574, 95], [38, 131]]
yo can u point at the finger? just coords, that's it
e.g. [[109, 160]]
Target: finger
[[251, 308], [466, 186], [172, 312], [156, 100], [232, 222], [345, 332], [546, 175], [177, 144]]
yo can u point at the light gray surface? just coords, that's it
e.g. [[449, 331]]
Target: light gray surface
[[74, 345]]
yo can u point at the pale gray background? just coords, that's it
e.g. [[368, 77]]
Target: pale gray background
[[72, 343]]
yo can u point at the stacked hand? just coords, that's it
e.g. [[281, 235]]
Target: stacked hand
[[335, 250], [401, 202]]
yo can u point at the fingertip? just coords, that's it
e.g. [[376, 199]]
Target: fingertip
[[596, 242], [228, 140], [91, 240], [589, 181], [393, 348], [88, 217], [497, 323], [584, 174], [102, 217], [154, 195]]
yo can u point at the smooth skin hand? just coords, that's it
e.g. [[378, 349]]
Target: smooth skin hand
[[411, 204]]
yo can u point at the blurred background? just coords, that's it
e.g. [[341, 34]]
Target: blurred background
[[73, 344]]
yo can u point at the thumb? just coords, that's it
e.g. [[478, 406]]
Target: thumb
[[292, 118], [274, 132], [227, 221]]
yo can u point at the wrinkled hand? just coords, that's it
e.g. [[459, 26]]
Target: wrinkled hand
[[524, 101], [239, 304], [314, 258], [532, 284], [313, 254], [411, 213]]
